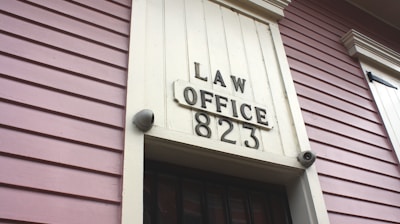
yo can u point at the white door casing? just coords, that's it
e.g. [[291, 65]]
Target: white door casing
[[202, 48]]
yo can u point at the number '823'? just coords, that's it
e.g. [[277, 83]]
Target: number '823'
[[202, 128]]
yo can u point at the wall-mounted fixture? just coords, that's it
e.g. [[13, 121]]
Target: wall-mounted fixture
[[144, 120], [306, 158]]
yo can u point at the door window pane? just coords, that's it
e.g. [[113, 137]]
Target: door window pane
[[260, 209], [148, 198], [279, 209], [215, 204], [192, 202], [167, 200], [238, 207]]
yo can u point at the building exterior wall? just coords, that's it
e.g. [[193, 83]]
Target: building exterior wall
[[63, 74], [357, 168], [63, 87]]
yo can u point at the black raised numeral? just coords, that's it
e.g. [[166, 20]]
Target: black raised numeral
[[202, 129], [253, 131], [202, 125], [229, 130]]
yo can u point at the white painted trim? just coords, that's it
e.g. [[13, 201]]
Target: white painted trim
[[313, 204], [133, 157], [312, 208], [275, 7], [304, 191], [221, 149], [363, 47], [259, 9]]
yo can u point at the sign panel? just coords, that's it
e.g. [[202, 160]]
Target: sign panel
[[231, 107]]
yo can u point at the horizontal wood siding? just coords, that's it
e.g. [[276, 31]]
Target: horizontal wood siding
[[358, 171], [63, 68]]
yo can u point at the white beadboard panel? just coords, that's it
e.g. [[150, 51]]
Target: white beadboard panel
[[154, 61], [257, 79], [176, 62], [180, 33], [198, 51], [218, 51], [197, 41], [236, 52], [272, 139], [280, 100], [219, 61]]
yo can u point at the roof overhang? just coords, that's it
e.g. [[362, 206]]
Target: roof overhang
[[386, 10]]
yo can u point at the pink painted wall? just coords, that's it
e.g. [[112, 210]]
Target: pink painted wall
[[358, 171], [62, 96], [63, 68]]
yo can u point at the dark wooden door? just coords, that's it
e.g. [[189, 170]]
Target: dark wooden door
[[179, 195]]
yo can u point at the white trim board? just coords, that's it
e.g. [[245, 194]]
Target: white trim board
[[363, 47], [168, 142]]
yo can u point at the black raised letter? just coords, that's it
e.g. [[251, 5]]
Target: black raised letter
[[234, 109], [219, 103], [203, 98], [193, 101], [238, 83], [244, 115], [197, 72], [218, 78], [260, 113]]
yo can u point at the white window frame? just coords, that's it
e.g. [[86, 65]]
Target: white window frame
[[374, 55]]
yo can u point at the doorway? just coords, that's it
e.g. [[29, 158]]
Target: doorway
[[181, 195]]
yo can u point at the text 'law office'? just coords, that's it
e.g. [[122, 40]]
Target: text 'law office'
[[200, 111]]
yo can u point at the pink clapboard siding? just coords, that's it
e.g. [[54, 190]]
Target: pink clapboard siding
[[63, 68], [358, 171]]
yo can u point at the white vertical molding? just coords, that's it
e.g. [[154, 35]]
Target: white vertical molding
[[311, 187], [133, 159]]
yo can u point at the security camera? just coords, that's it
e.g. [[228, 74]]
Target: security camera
[[306, 158], [144, 120]]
